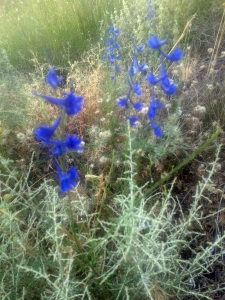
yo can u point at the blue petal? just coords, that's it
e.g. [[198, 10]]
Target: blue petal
[[112, 30], [140, 48], [133, 120], [117, 46], [53, 100], [52, 79], [111, 56], [152, 79], [110, 42], [153, 107], [67, 180], [168, 87], [123, 102], [44, 133], [143, 67], [117, 31], [73, 143], [174, 56], [157, 130], [135, 66], [138, 105], [117, 68], [151, 112], [136, 88], [170, 90], [154, 43], [71, 103], [57, 150]]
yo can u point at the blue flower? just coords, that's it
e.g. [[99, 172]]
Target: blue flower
[[111, 59], [123, 102], [71, 103], [152, 79], [168, 87], [111, 51], [133, 120], [110, 42], [57, 150], [150, 13], [139, 48], [143, 67], [44, 133], [153, 107], [67, 180], [138, 105], [117, 46], [52, 79], [72, 143], [135, 67], [112, 30], [174, 56], [136, 88], [154, 43], [157, 130], [117, 68]]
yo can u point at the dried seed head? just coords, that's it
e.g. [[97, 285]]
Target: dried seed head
[[210, 50], [210, 86], [103, 159], [199, 110], [21, 136], [105, 134]]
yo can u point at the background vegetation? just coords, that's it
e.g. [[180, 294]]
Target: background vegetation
[[54, 32], [147, 218]]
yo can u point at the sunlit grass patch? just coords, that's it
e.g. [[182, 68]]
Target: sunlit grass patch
[[53, 31]]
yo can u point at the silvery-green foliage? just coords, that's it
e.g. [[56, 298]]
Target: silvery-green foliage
[[145, 241], [34, 260], [127, 256], [133, 22]]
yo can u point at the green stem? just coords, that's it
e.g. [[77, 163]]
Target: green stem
[[183, 163]]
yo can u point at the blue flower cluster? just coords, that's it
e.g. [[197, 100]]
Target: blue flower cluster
[[168, 87], [112, 50], [70, 105], [134, 87], [150, 13]]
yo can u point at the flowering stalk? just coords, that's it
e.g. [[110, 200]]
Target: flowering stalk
[[70, 105], [150, 12], [111, 52], [167, 86], [134, 87]]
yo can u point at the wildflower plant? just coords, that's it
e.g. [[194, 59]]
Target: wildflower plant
[[150, 12], [167, 86], [69, 105], [111, 51]]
